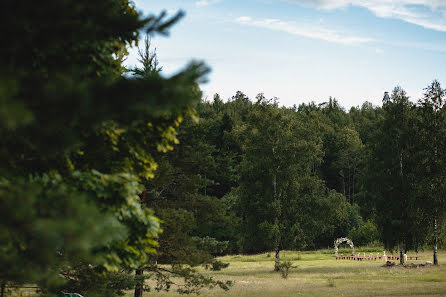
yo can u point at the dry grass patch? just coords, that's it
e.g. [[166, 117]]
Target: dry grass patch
[[319, 274]]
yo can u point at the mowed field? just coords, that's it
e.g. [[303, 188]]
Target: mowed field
[[320, 274]]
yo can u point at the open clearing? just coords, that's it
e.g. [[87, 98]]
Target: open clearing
[[319, 274]]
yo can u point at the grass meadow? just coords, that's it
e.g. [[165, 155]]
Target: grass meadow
[[318, 273]]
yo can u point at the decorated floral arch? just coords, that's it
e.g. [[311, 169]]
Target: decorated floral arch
[[338, 241]]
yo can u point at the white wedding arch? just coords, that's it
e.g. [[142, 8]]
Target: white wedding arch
[[338, 241]]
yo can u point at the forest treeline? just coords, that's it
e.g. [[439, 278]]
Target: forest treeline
[[261, 177], [110, 176]]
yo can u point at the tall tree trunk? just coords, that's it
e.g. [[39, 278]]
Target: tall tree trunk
[[139, 285], [277, 258], [402, 183], [435, 242], [401, 255], [349, 186], [275, 186], [401, 163], [277, 239], [353, 184]]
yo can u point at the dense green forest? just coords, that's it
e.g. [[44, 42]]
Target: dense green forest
[[298, 178], [107, 171]]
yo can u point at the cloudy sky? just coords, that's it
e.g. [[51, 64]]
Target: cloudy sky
[[307, 50]]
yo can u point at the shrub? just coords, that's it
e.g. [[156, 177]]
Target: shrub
[[216, 265], [331, 283], [284, 268]]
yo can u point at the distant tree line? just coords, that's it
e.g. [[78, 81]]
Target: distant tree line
[[272, 178]]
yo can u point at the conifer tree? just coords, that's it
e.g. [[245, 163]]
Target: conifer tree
[[76, 140], [392, 168]]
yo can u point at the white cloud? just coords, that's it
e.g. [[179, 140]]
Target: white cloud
[[379, 51], [243, 19], [315, 32], [203, 3], [429, 14]]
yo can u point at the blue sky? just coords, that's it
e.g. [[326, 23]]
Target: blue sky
[[307, 50]]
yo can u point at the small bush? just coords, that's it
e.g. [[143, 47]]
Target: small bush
[[331, 283], [284, 268], [216, 265]]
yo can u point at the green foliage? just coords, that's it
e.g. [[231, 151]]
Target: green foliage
[[83, 278], [79, 140], [192, 281], [211, 245], [431, 155], [87, 161], [365, 234], [148, 60], [343, 148], [197, 225], [284, 268], [279, 151], [391, 168], [47, 222], [118, 194], [216, 265]]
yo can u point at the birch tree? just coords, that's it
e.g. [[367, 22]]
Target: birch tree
[[431, 146], [279, 152]]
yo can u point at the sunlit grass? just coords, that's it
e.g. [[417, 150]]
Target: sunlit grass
[[320, 274]]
